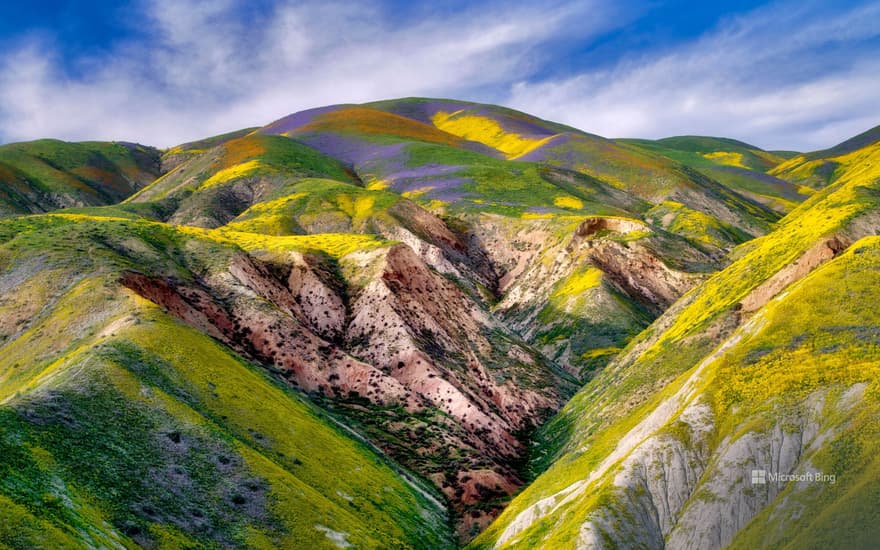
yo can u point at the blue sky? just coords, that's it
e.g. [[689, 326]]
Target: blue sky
[[794, 75]]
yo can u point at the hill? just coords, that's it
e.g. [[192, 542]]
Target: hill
[[122, 425], [404, 322], [820, 168], [44, 175], [739, 166], [768, 365]]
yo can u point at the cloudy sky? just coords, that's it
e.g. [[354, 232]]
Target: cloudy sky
[[782, 75]]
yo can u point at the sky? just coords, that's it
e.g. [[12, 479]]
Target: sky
[[797, 75]]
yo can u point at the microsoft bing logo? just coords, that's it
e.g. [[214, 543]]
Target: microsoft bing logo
[[759, 477]]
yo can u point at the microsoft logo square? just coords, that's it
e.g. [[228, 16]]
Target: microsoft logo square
[[759, 477]]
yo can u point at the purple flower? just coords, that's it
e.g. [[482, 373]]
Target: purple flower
[[293, 122]]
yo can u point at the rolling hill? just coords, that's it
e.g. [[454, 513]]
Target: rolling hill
[[739, 166], [44, 175], [415, 322], [820, 168]]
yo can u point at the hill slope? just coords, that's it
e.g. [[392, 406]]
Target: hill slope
[[351, 327], [821, 168], [44, 175], [135, 429], [739, 166], [770, 365]]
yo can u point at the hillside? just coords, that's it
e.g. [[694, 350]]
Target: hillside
[[44, 175], [820, 168], [739, 166], [406, 322], [124, 426], [770, 364]]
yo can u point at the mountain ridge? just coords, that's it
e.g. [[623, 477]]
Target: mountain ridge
[[425, 283]]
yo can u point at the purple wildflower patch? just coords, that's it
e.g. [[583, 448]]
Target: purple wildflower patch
[[297, 120], [351, 150]]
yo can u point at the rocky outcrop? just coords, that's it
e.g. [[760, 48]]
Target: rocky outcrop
[[592, 226], [448, 252], [636, 284], [629, 446], [426, 371], [641, 274], [672, 493], [678, 495], [814, 257]]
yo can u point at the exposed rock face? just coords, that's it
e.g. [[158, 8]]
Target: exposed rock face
[[666, 469], [641, 274], [439, 246], [594, 225], [816, 256], [678, 493], [635, 285], [426, 318], [404, 349]]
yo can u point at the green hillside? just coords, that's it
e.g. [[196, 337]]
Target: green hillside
[[737, 165], [821, 168], [44, 175], [777, 343], [139, 430]]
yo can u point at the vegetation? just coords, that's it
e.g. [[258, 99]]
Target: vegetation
[[356, 327], [144, 431], [813, 337], [46, 174], [739, 166], [486, 130]]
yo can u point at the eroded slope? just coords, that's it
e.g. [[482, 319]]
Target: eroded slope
[[769, 365], [123, 427]]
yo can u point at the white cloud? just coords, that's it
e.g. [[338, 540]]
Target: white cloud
[[784, 76], [204, 69], [780, 77]]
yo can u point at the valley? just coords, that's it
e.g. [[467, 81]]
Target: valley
[[431, 323]]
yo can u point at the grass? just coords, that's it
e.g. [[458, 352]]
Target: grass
[[102, 423], [696, 226], [234, 172], [31, 233], [203, 145], [181, 409], [573, 203], [809, 341], [810, 344], [817, 336], [364, 121], [318, 206], [823, 168], [579, 282], [737, 165], [512, 188], [241, 158], [48, 174], [720, 150], [332, 244]]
